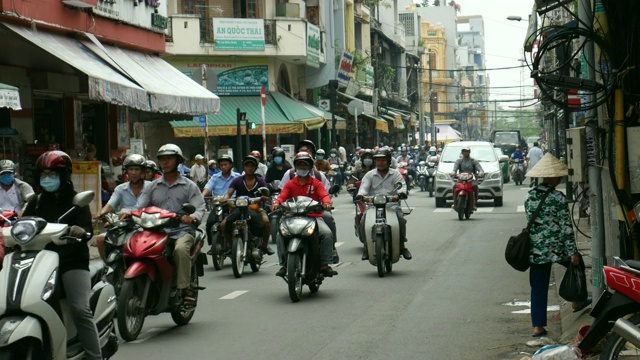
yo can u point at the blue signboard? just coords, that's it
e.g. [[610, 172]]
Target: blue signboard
[[203, 121]]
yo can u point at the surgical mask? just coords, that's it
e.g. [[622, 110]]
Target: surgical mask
[[302, 173], [277, 160], [333, 155], [6, 179], [319, 157], [433, 153], [50, 185], [367, 162]]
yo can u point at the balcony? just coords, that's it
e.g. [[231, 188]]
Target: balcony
[[362, 12]]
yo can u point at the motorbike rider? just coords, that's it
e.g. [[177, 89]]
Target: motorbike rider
[[517, 155], [53, 173], [467, 164], [14, 193], [305, 185], [152, 172], [334, 159], [279, 166], [309, 147], [213, 167], [406, 158], [422, 155], [218, 185], [321, 163], [359, 173], [198, 172], [248, 185], [169, 193], [262, 168], [125, 196], [383, 180], [433, 155]]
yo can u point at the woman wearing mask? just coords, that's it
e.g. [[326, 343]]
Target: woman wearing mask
[[53, 173], [279, 166]]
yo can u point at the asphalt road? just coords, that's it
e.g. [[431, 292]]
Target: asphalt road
[[448, 302]]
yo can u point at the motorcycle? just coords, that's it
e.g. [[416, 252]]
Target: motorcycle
[[404, 171], [463, 195], [331, 175], [383, 241], [422, 174], [149, 286], [517, 171], [360, 207], [36, 321], [245, 247], [117, 235], [617, 310], [218, 247]]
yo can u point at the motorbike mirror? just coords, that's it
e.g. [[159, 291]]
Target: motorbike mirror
[[335, 188], [188, 208], [503, 158], [398, 186], [83, 198], [263, 191]]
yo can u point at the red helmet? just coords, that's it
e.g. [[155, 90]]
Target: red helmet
[[303, 156], [256, 153], [55, 160]]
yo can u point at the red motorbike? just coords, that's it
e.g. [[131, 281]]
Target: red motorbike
[[149, 286], [404, 171], [463, 196]]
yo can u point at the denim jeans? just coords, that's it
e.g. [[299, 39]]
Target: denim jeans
[[539, 275]]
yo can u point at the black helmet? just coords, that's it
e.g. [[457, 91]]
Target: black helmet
[[170, 149], [383, 152], [277, 151], [134, 160], [303, 156], [225, 157], [250, 159], [309, 144]]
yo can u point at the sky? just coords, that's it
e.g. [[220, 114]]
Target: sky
[[503, 44]]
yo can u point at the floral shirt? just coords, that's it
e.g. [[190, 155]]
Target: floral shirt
[[551, 236]]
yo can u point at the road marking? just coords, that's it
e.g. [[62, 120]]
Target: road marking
[[234, 295], [339, 244], [484, 209], [442, 210], [527, 304], [147, 335], [520, 208]]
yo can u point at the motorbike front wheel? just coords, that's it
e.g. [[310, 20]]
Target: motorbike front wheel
[[617, 347], [380, 254], [182, 316], [131, 310], [294, 276], [432, 186], [237, 256], [461, 206], [217, 250], [25, 349]]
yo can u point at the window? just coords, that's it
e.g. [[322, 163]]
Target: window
[[431, 33], [246, 9]]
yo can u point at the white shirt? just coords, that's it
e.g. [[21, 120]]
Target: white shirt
[[9, 199], [534, 155], [198, 173], [343, 153]]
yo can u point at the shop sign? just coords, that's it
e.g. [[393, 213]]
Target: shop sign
[[146, 14], [226, 76], [324, 104], [196, 131], [238, 34], [313, 45], [344, 70]]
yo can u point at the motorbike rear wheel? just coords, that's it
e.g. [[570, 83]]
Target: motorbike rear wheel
[[461, 206], [617, 347], [25, 349], [217, 250], [432, 186], [294, 276], [237, 256], [182, 316], [379, 240], [131, 312], [253, 262]]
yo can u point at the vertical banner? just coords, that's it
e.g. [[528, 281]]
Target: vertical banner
[[86, 176], [123, 127], [313, 45], [344, 69]]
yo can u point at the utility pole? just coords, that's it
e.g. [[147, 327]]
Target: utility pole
[[206, 122], [593, 159], [237, 157], [421, 107], [333, 102], [432, 102], [376, 84]]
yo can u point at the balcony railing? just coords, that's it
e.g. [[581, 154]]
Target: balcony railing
[[207, 36]]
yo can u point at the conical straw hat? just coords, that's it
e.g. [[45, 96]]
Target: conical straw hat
[[549, 166]]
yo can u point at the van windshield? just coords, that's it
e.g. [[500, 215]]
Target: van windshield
[[506, 138], [478, 152]]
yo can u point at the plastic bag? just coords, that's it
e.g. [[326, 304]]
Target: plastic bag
[[556, 352], [574, 283]]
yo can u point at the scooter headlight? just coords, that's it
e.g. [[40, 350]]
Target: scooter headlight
[[242, 202], [49, 286], [284, 229], [379, 199], [309, 229], [24, 231]]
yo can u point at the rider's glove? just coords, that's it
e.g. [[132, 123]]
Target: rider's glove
[[402, 196], [359, 197], [77, 232]]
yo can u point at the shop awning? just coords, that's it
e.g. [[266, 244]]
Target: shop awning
[[9, 97], [299, 111], [225, 123], [170, 91], [105, 83], [381, 124]]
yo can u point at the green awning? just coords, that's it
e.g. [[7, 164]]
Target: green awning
[[296, 110], [224, 124]]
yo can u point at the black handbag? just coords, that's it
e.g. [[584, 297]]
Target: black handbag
[[517, 251]]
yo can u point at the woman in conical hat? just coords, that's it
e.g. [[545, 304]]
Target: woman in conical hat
[[551, 237]]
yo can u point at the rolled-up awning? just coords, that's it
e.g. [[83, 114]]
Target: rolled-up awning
[[170, 91], [105, 83], [381, 124], [9, 97]]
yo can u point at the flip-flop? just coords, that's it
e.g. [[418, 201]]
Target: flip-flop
[[583, 306], [541, 333]]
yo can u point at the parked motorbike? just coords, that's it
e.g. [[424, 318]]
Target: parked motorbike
[[36, 321], [463, 195], [218, 246], [383, 240], [301, 241], [617, 310], [403, 168], [118, 233], [149, 286], [245, 247], [517, 171]]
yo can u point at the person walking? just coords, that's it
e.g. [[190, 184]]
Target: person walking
[[552, 239], [534, 155]]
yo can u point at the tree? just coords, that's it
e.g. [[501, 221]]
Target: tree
[[436, 2], [455, 5]]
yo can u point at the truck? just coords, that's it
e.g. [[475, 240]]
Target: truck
[[507, 140]]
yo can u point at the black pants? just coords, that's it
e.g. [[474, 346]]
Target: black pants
[[255, 222]]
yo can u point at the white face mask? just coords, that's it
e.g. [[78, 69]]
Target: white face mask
[[367, 162], [302, 173]]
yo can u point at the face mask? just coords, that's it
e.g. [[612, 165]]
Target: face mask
[[319, 157], [6, 179], [367, 162], [333, 155], [302, 173], [277, 160], [50, 185], [433, 153]]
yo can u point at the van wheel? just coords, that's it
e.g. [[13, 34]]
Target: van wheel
[[497, 201]]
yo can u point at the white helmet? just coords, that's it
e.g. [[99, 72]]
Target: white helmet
[[433, 148]]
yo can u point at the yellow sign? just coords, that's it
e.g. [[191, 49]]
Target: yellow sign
[[382, 125], [194, 131]]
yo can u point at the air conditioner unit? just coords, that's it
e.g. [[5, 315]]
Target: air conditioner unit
[[81, 3]]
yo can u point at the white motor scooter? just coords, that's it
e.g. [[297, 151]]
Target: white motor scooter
[[35, 320]]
